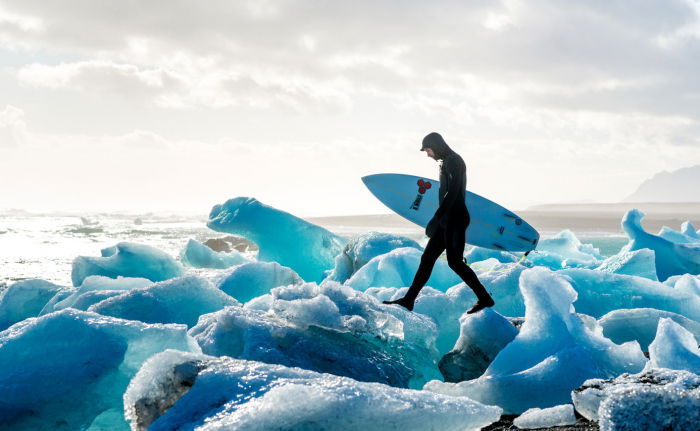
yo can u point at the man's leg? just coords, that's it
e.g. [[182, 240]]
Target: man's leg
[[433, 250], [455, 259]]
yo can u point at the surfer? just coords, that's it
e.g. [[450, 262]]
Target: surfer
[[447, 228]]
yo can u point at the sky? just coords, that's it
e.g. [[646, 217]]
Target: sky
[[179, 105]]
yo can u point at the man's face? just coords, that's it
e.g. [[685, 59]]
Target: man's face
[[430, 153]]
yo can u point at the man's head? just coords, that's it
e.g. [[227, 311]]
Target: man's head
[[435, 146]]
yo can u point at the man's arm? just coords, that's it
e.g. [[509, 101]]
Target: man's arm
[[450, 198]]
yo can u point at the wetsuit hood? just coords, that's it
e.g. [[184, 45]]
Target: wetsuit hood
[[436, 142]]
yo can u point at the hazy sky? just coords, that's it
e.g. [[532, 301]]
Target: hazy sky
[[179, 105]]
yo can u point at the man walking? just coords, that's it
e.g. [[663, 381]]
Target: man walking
[[447, 228]]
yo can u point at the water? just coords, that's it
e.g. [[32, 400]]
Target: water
[[44, 245]]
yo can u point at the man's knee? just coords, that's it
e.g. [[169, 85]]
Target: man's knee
[[455, 262]]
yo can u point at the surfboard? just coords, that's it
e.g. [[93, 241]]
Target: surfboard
[[416, 199]]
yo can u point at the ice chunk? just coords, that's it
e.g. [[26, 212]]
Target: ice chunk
[[252, 334], [652, 400], [640, 324], [565, 251], [688, 229], [363, 248], [62, 370], [482, 336], [198, 255], [638, 262], [127, 260], [96, 283], [478, 254], [600, 293], [677, 237], [553, 353], [233, 394], [674, 347], [671, 258], [254, 279], [25, 299], [397, 269], [308, 249], [544, 418], [179, 300]]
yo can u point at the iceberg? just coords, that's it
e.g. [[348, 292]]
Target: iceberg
[[655, 399], [25, 299], [179, 300], [482, 336], [254, 279], [638, 262], [363, 248], [671, 258], [674, 348], [600, 293], [688, 229], [308, 249], [554, 353], [544, 418], [565, 250], [640, 324], [63, 370], [107, 287], [176, 390], [198, 255], [478, 254], [255, 335], [127, 260], [397, 269]]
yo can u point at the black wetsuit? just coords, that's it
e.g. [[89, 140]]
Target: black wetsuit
[[447, 228]]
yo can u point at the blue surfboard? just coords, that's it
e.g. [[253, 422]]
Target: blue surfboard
[[416, 199]]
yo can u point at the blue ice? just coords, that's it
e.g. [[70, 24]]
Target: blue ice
[[233, 394], [95, 287], [397, 269], [641, 324], [671, 258], [363, 248], [25, 299], [127, 260], [63, 370], [601, 292], [674, 348], [641, 263], [565, 250], [553, 353], [198, 255], [254, 279], [308, 249], [179, 300]]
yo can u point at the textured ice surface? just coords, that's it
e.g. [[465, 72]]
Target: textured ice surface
[[179, 300], [565, 251], [339, 312], [61, 370], [671, 258], [252, 334], [308, 249], [127, 260], [478, 254], [544, 418], [363, 248], [688, 229], [656, 399], [674, 348], [397, 269], [601, 292], [677, 237], [641, 263], [233, 394], [254, 279], [25, 299], [482, 336], [553, 353], [198, 255], [640, 324], [96, 283]]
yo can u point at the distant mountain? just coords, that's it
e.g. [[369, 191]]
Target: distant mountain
[[682, 185]]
